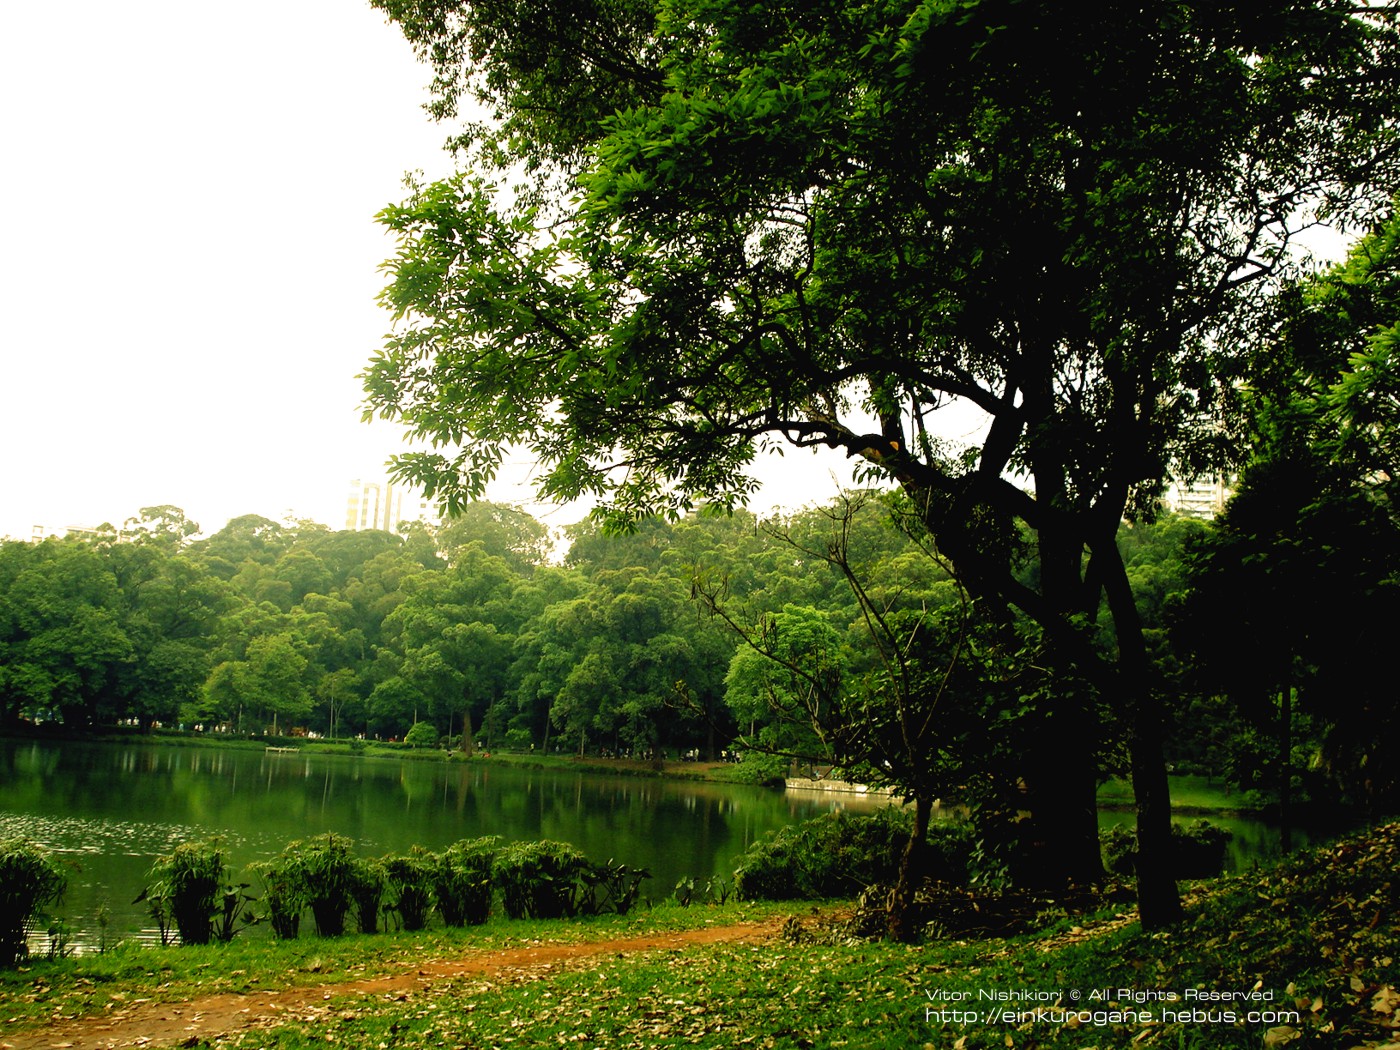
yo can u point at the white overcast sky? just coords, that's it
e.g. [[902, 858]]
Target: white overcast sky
[[189, 261]]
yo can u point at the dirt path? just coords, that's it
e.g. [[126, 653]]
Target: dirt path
[[149, 1025]]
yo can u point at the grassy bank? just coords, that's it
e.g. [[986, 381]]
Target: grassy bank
[[720, 772], [43, 989], [1190, 794], [1314, 942]]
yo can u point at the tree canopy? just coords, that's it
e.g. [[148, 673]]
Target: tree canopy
[[693, 231], [1304, 559]]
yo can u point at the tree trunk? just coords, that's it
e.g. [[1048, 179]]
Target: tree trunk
[[1159, 903], [1062, 785], [1061, 773], [1285, 787], [468, 744], [902, 921]]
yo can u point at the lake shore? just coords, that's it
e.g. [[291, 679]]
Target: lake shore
[[1191, 794], [1302, 952]]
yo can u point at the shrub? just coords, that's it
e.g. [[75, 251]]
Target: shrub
[[189, 891], [422, 734], [830, 856], [410, 878], [610, 888], [462, 880], [284, 886], [950, 845], [1119, 845], [29, 881], [540, 880], [761, 769], [1198, 849], [367, 892], [329, 871], [765, 871]]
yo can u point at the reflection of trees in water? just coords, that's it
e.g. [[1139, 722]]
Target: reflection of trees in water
[[125, 803]]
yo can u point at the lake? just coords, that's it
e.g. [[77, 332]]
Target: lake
[[110, 809]]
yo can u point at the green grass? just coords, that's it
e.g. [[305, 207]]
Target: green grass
[[1318, 936], [1189, 793], [44, 988]]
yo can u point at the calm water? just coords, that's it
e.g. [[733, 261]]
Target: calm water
[[110, 809]]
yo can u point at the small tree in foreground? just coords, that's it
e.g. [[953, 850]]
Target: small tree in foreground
[[284, 892], [367, 893], [410, 879], [540, 880], [331, 876]]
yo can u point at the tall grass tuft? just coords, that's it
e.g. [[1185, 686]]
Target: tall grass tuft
[[187, 892], [410, 879], [462, 880], [329, 870], [540, 880], [29, 881]]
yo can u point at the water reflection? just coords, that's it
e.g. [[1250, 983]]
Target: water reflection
[[110, 809], [113, 807]]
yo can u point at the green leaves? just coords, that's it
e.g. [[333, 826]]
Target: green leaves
[[29, 881]]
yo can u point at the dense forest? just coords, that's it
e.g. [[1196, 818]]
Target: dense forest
[[714, 633]]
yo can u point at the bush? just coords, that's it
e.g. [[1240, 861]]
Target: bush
[[421, 735], [1198, 849], [610, 888], [462, 881], [284, 891], [191, 893], [829, 856], [329, 873], [367, 892], [950, 845], [1119, 846], [540, 880], [410, 878], [29, 881], [761, 769]]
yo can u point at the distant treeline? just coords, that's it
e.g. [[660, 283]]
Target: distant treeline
[[481, 630]]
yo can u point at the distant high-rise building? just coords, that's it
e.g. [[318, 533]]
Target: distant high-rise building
[[380, 505], [1204, 498], [39, 533]]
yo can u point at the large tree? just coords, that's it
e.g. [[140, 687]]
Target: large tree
[[1306, 557], [718, 226]]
